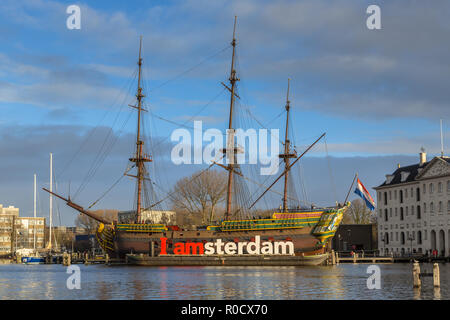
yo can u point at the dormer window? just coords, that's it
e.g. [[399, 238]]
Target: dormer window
[[404, 176], [389, 178]]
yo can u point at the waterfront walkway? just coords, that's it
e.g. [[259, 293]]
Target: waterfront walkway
[[356, 259], [371, 257]]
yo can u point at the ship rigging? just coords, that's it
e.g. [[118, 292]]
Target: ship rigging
[[307, 228]]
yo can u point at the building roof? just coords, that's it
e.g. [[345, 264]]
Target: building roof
[[411, 172]]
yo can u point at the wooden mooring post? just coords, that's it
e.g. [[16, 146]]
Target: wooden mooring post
[[436, 276], [417, 282], [67, 259], [416, 275]]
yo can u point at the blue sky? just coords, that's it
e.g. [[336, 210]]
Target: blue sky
[[377, 93]]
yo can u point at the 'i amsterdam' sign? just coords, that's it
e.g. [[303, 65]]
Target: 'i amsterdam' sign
[[229, 248]]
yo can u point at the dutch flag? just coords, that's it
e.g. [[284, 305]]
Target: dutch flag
[[363, 193]]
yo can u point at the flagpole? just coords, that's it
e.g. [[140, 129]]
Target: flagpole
[[351, 187]]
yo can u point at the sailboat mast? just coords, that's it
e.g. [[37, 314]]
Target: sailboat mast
[[286, 155], [51, 199], [139, 158], [230, 143], [34, 211], [442, 141], [286, 151], [139, 143]]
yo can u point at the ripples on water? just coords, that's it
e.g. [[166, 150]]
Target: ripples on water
[[345, 281]]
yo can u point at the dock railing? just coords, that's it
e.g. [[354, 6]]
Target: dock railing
[[361, 256]]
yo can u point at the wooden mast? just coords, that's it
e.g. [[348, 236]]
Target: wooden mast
[[140, 158], [79, 208], [286, 170], [230, 143], [286, 155]]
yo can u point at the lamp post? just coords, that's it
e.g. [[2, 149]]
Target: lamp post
[[339, 242], [349, 234]]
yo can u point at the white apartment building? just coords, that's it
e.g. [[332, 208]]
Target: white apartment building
[[19, 232], [28, 232], [11, 210], [148, 216], [413, 208], [7, 216]]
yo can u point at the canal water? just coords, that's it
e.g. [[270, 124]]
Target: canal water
[[345, 281]]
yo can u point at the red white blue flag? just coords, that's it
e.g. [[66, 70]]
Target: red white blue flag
[[363, 193]]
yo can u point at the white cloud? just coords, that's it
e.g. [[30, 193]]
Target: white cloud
[[344, 69]]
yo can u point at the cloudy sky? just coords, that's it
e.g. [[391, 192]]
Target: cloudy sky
[[379, 94]]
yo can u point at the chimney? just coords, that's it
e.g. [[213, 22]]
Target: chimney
[[423, 157]]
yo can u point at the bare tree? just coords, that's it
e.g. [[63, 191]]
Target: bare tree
[[200, 194], [83, 221], [63, 238], [264, 213], [216, 190], [358, 213], [190, 196], [164, 219]]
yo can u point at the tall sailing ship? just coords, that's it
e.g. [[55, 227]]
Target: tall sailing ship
[[309, 229]]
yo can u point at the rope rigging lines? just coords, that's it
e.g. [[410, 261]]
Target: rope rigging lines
[[127, 85], [333, 185], [190, 69], [243, 118], [111, 138]]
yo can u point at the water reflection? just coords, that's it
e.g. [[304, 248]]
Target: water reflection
[[437, 293], [163, 283], [416, 293], [120, 282]]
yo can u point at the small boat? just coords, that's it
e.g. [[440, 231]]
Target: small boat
[[33, 260], [31, 256]]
